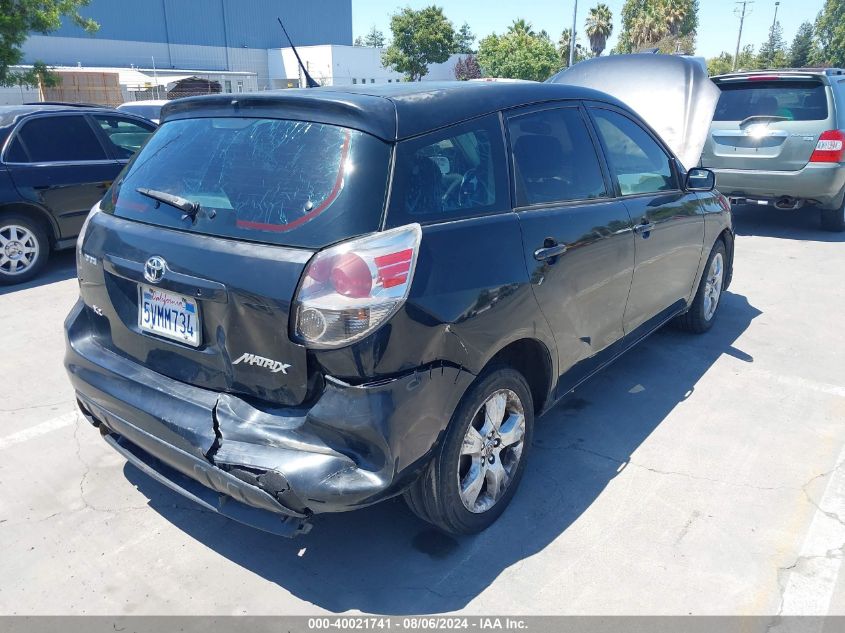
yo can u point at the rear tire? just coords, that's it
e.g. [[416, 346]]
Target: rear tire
[[834, 219], [24, 248], [705, 306], [474, 474]]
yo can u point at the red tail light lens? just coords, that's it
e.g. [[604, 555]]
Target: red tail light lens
[[349, 290], [830, 148], [351, 276], [724, 202]]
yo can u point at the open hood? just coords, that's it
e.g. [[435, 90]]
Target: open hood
[[672, 94]]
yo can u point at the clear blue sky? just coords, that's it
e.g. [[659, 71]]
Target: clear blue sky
[[717, 30]]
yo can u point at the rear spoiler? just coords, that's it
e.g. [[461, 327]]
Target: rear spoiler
[[769, 76]]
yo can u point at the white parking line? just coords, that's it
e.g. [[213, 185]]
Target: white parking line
[[812, 581], [68, 419]]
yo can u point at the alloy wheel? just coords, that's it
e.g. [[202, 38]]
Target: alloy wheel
[[491, 451], [713, 286], [18, 249]]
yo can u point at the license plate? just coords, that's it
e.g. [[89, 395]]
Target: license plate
[[169, 315]]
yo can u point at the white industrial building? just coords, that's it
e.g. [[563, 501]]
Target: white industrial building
[[151, 44], [334, 65]]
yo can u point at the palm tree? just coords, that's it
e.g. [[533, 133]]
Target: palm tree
[[599, 27], [674, 14], [648, 29], [521, 27]]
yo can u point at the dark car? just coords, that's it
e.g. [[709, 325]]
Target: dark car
[[56, 162], [308, 301]]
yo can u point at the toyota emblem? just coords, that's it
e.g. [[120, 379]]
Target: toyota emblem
[[154, 269]]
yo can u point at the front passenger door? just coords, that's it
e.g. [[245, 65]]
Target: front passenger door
[[668, 221]]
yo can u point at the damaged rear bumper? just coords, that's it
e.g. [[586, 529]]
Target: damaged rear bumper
[[270, 467]]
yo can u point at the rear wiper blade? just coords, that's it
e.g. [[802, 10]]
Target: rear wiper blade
[[768, 117], [188, 207]]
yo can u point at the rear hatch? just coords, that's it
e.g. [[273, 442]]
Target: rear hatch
[[203, 239], [768, 122]]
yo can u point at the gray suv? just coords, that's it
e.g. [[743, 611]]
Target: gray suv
[[778, 139]]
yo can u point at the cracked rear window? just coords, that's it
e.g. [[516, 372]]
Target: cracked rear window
[[284, 182]]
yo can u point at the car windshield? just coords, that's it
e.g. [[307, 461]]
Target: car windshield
[[284, 182], [151, 112], [792, 100]]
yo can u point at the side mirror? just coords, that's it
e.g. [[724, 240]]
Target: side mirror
[[700, 179]]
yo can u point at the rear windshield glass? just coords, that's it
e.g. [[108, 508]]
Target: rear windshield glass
[[791, 100], [284, 182]]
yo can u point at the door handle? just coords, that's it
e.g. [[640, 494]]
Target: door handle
[[644, 229], [549, 251]]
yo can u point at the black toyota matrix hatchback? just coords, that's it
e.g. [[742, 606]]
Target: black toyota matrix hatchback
[[304, 302]]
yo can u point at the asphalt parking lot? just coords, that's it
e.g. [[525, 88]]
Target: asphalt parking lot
[[701, 475]]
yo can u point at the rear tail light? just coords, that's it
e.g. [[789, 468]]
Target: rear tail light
[[350, 289], [724, 202], [830, 148]]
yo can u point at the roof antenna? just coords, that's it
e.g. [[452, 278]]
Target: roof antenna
[[309, 81]]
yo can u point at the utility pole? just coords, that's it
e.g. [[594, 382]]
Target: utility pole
[[572, 39], [744, 4], [775, 21]]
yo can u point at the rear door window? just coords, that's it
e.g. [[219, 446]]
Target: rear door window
[[284, 182], [638, 163], [791, 100], [453, 173], [554, 158], [125, 136], [60, 139]]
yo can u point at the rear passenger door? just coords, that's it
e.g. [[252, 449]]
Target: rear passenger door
[[58, 162], [577, 237], [668, 221]]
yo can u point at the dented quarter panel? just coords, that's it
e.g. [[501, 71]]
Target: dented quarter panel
[[354, 446]]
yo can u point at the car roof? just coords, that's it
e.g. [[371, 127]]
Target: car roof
[[388, 111], [10, 114]]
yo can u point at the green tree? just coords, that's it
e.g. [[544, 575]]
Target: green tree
[[773, 52], [830, 34], [801, 51], [518, 54], [666, 24], [420, 38], [374, 38], [599, 27], [19, 18], [464, 40], [720, 65], [724, 62]]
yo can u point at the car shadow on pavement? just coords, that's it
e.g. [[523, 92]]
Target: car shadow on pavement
[[384, 560], [60, 266], [803, 224]]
